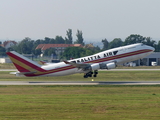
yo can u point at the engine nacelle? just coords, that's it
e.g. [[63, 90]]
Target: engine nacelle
[[95, 66], [111, 65]]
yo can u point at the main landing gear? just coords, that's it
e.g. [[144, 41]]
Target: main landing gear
[[89, 74]]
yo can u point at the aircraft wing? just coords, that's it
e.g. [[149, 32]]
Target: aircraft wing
[[83, 66]]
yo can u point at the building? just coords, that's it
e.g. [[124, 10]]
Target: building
[[8, 44], [147, 61], [5, 60], [59, 48]]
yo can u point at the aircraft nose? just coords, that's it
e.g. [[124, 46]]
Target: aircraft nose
[[152, 48]]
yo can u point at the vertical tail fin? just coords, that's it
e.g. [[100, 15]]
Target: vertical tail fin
[[24, 64]]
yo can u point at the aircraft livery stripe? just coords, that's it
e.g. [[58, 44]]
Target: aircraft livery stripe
[[25, 68], [26, 62], [118, 56], [51, 71], [95, 61], [21, 68]]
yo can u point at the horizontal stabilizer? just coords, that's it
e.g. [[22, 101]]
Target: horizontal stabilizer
[[21, 73]]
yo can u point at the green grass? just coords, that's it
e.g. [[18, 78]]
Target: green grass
[[102, 76], [79, 102], [7, 66], [82, 102]]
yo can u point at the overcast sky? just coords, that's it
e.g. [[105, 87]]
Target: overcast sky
[[98, 19]]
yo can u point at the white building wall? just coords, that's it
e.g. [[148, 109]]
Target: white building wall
[[9, 45], [5, 60]]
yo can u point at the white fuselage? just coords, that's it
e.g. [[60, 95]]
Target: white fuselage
[[119, 55]]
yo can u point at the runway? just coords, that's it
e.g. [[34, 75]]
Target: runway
[[83, 82], [79, 83], [102, 70]]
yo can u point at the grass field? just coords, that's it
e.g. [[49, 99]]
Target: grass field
[[79, 102], [82, 102], [102, 76]]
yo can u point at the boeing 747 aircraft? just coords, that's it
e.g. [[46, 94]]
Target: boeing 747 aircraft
[[88, 65]]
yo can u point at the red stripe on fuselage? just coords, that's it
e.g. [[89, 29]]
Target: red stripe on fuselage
[[119, 56], [52, 71]]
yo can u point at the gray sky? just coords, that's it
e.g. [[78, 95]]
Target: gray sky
[[98, 19]]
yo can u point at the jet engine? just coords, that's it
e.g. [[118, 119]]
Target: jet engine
[[95, 66], [111, 65], [108, 65]]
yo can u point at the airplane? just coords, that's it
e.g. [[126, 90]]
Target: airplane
[[88, 65]]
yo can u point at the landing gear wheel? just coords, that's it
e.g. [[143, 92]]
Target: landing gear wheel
[[95, 75], [95, 72], [89, 74], [85, 76]]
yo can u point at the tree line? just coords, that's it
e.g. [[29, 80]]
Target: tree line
[[132, 39], [28, 46]]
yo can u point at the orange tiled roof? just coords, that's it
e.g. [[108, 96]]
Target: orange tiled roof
[[47, 46]]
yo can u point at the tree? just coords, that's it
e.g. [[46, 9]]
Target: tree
[[105, 44], [150, 42], [59, 40], [117, 42], [68, 39], [140, 39], [49, 52], [52, 41], [47, 40], [157, 47], [79, 38], [73, 52], [25, 46], [37, 52], [2, 51], [134, 38], [90, 49], [10, 49]]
